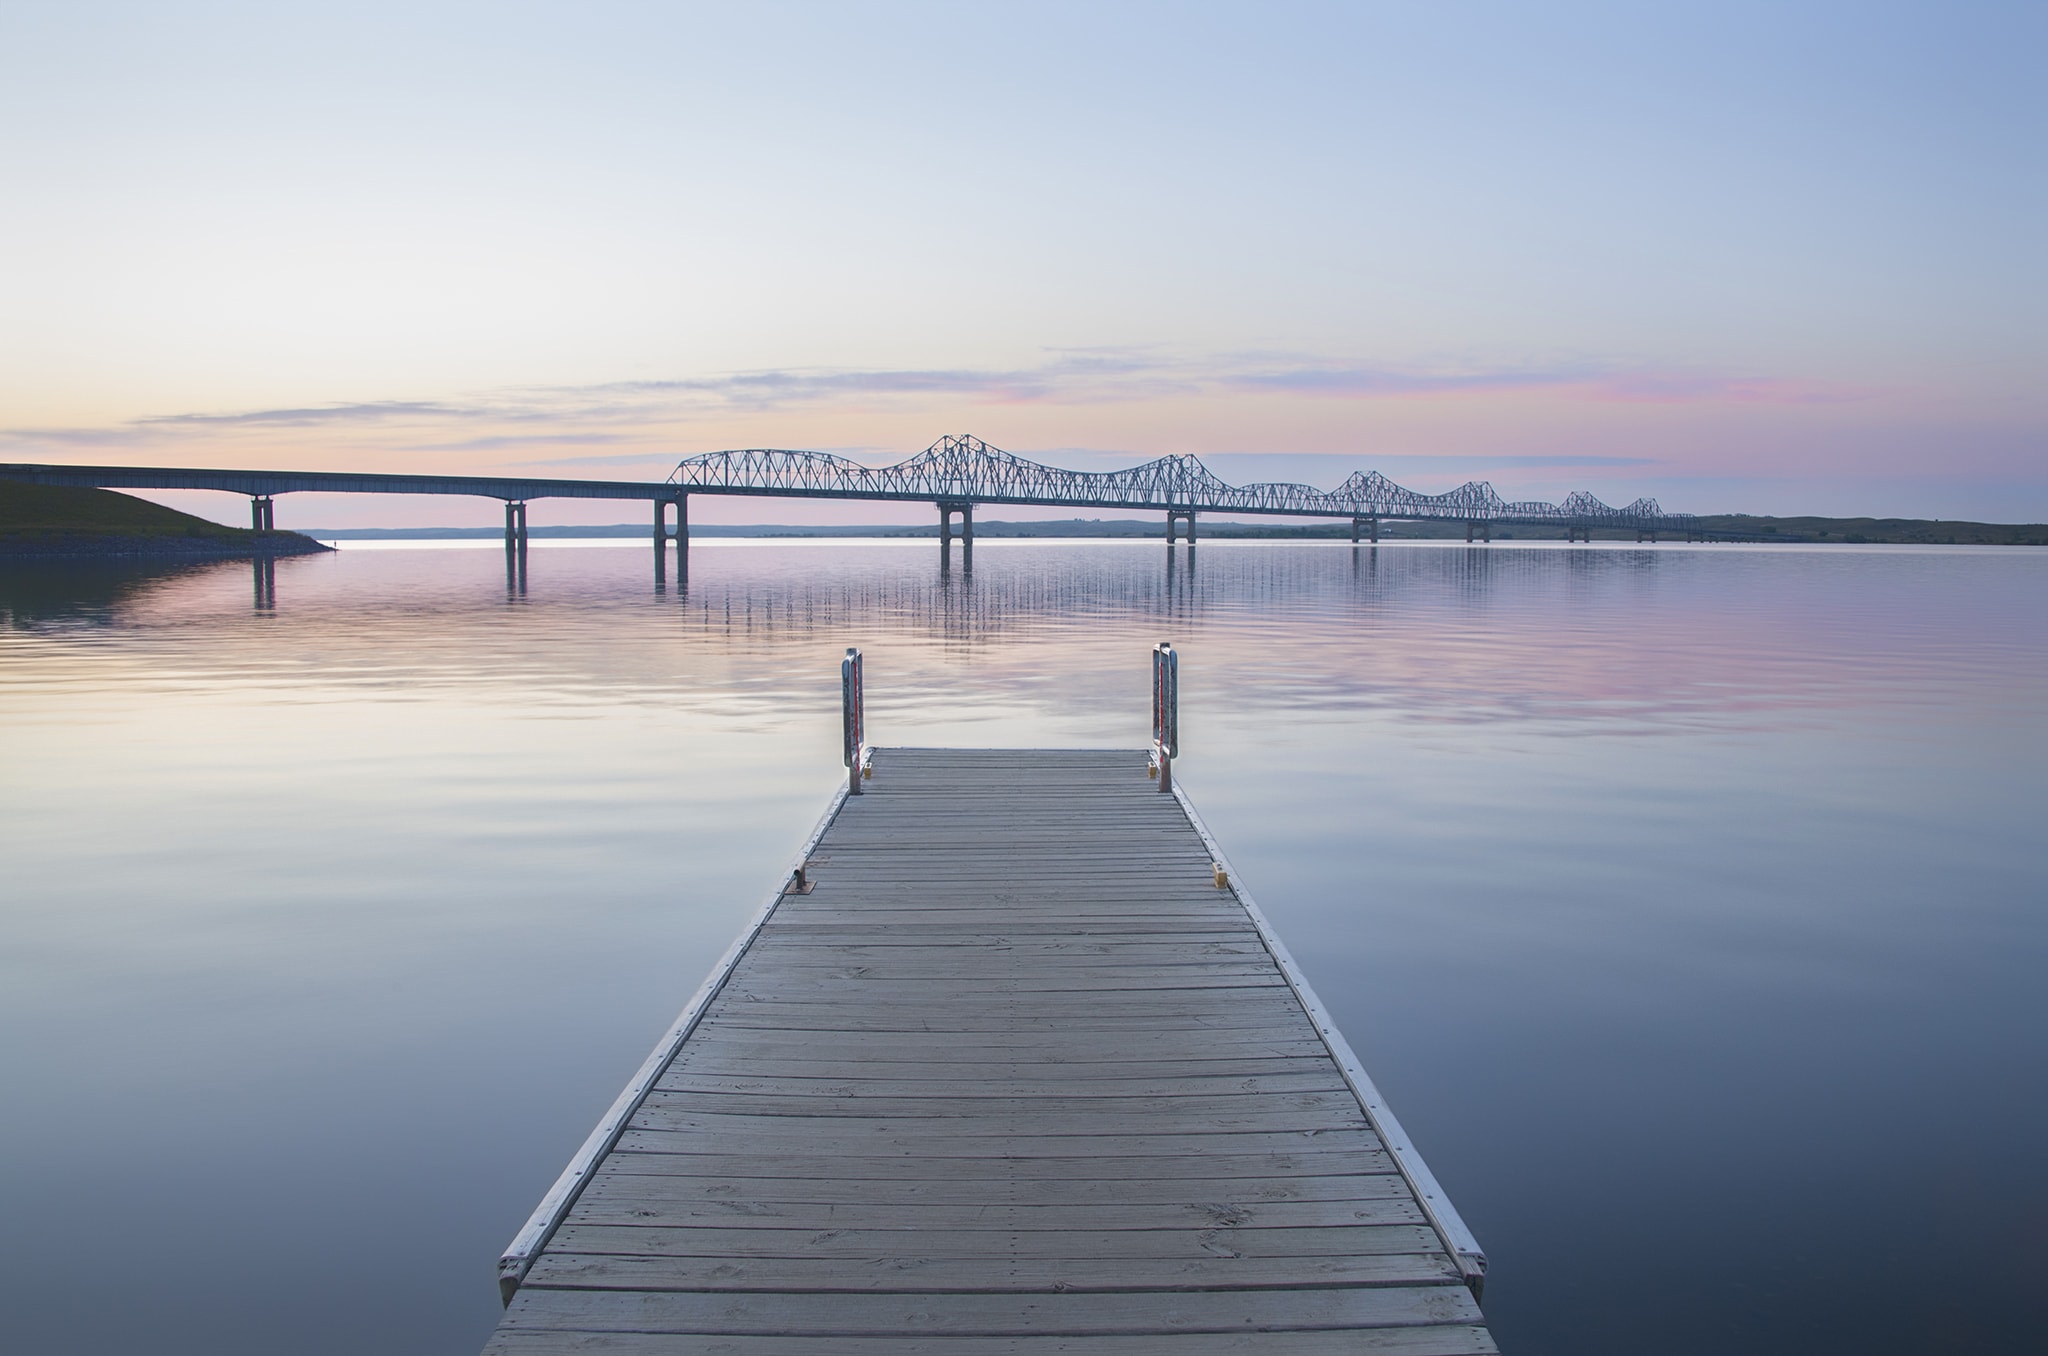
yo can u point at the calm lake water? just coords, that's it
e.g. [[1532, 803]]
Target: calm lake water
[[1688, 904]]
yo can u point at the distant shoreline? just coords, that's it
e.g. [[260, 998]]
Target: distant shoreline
[[1720, 527]]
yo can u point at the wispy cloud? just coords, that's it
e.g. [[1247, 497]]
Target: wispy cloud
[[368, 412], [604, 459], [1359, 382], [1072, 376], [506, 442], [638, 411]]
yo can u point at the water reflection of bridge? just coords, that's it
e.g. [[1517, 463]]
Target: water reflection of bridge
[[740, 592], [1120, 585]]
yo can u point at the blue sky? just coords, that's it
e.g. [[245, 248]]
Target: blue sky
[[1775, 258]]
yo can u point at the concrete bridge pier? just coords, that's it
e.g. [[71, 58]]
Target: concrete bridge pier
[[1365, 524], [1482, 527], [262, 513], [682, 508], [1174, 518], [515, 524], [1646, 532], [947, 508]]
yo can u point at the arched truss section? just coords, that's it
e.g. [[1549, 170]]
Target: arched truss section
[[965, 469]]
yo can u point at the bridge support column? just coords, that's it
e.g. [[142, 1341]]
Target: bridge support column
[[1483, 528], [262, 513], [947, 508], [515, 524], [1360, 524], [660, 526], [1174, 518], [682, 524]]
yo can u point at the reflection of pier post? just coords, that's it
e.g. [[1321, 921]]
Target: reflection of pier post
[[266, 582]]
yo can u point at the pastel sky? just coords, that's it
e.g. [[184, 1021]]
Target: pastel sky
[[1781, 257]]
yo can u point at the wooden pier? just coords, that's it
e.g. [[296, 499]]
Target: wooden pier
[[1012, 1066]]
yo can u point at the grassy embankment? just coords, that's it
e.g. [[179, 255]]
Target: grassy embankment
[[64, 521]]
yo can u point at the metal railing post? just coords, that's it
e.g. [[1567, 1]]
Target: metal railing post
[[1165, 712], [851, 722]]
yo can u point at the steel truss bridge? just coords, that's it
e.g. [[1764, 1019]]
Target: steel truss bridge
[[958, 472], [955, 474]]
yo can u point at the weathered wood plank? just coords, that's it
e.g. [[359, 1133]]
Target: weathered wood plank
[[801, 1137], [612, 1200], [940, 1274], [1131, 1075], [984, 1190], [1439, 1340], [932, 1049], [1002, 1083], [856, 1171], [1110, 1026], [795, 1136], [1080, 1314], [837, 1120], [1363, 1240]]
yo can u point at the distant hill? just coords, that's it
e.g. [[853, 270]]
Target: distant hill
[[1893, 531], [62, 521]]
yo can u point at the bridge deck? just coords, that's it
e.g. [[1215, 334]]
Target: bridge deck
[[1015, 1076]]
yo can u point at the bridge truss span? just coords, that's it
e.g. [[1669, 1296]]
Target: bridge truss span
[[960, 469]]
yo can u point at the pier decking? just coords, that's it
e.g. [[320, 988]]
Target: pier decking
[[1018, 1072]]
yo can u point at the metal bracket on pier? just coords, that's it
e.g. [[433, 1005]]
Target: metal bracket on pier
[[1165, 713], [858, 754]]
